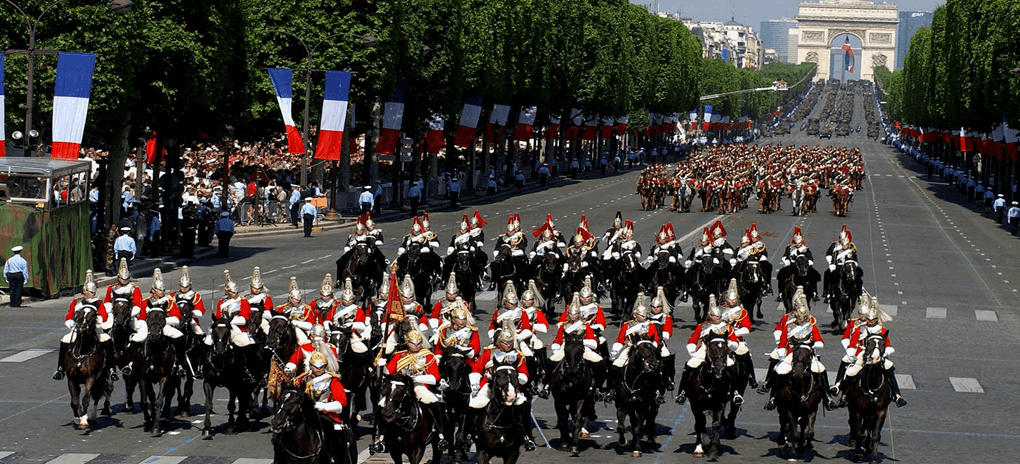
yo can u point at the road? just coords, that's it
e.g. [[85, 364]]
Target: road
[[945, 272]]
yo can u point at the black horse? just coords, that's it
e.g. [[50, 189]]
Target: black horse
[[468, 273], [868, 398], [235, 369], [797, 400], [408, 426], [88, 376], [847, 292], [798, 274], [507, 268], [195, 353], [626, 279], [123, 351], [548, 275], [424, 269], [571, 383], [502, 428], [281, 344], [365, 266], [710, 393], [751, 282], [298, 436], [456, 390], [355, 370], [636, 394], [704, 278], [668, 275], [154, 365]]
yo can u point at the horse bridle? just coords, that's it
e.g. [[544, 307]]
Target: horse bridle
[[289, 425], [805, 393], [630, 388], [501, 404], [410, 421]]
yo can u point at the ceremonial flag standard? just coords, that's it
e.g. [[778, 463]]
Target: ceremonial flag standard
[[282, 80], [589, 128], [848, 55], [334, 115], [693, 118], [553, 127], [607, 127], [497, 119], [393, 116], [468, 122], [71, 102]]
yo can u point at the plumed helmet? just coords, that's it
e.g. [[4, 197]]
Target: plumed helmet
[[510, 293], [586, 290], [347, 294], [89, 285], [369, 223], [122, 270], [732, 296], [414, 337], [425, 221], [713, 308], [293, 291], [451, 284], [510, 225], [754, 233], [798, 236], [256, 278], [318, 332], [575, 305], [618, 220], [229, 286], [384, 288], [745, 239], [157, 280], [507, 333], [660, 301], [477, 221], [628, 229], [326, 289], [416, 226], [705, 239], [185, 277], [317, 359], [844, 236], [465, 224], [529, 291], [640, 308], [877, 312], [407, 287], [800, 305], [864, 306], [460, 310]]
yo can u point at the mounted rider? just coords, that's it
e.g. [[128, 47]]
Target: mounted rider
[[697, 349], [591, 313], [583, 243], [160, 301], [373, 231], [441, 310], [124, 291], [613, 233], [349, 317], [800, 327], [548, 240], [235, 310], [459, 335], [416, 236], [665, 242], [462, 240], [104, 321], [187, 296], [326, 302], [513, 238], [418, 363], [632, 332], [510, 314], [302, 355], [703, 247], [260, 301], [797, 247], [660, 313], [720, 247], [875, 318], [624, 243], [841, 251], [360, 235], [574, 324], [852, 327], [430, 237], [478, 236], [754, 249], [321, 384], [300, 315], [406, 307], [531, 304], [502, 354], [735, 314]]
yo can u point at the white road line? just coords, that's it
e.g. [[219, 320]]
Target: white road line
[[289, 267], [268, 461], [25, 355], [891, 310], [985, 315], [906, 382], [73, 458], [935, 313], [307, 261], [966, 385], [4, 454], [163, 459]]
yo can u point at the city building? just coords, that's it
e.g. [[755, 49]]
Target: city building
[[910, 22], [731, 42], [775, 34]]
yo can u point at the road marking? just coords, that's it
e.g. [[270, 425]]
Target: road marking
[[4, 454], [259, 461], [935, 313], [307, 261], [966, 385], [906, 382], [985, 315], [25, 356], [164, 459], [73, 458], [891, 310], [760, 373]]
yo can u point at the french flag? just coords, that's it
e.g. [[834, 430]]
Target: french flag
[[468, 122], [708, 117], [576, 119], [434, 142], [282, 82], [71, 102], [554, 126], [334, 115], [589, 128], [393, 116], [693, 118], [3, 116], [621, 125], [522, 133], [607, 127], [500, 113]]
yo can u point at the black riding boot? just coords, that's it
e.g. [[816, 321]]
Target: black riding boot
[[826, 288], [110, 362], [840, 374], [738, 399], [900, 402], [685, 381], [437, 415], [334, 443], [613, 377], [771, 403], [827, 402], [748, 366], [59, 374], [770, 374], [181, 355], [669, 371], [529, 427]]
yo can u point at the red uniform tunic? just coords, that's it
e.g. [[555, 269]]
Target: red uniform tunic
[[651, 334], [537, 318], [592, 314], [522, 322], [304, 313], [784, 339], [436, 317], [695, 338], [566, 326], [260, 302], [858, 347], [243, 310], [404, 363], [343, 314], [122, 292], [493, 356], [101, 314], [449, 336], [304, 352], [195, 298], [167, 304], [740, 321], [325, 389], [665, 323]]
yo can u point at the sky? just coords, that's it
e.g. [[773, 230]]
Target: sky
[[753, 12]]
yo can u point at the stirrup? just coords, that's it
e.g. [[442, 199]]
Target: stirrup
[[770, 405], [763, 388], [681, 397], [114, 376], [834, 390], [58, 375], [529, 444], [126, 370], [900, 402], [751, 381], [660, 398], [737, 399]]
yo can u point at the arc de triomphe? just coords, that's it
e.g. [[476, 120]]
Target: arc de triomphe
[[819, 23]]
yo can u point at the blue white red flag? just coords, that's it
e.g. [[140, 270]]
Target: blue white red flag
[[468, 122], [282, 80], [334, 115], [71, 102], [393, 117], [848, 56]]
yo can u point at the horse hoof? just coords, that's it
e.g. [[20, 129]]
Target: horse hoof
[[575, 450], [564, 447], [635, 454], [858, 458], [699, 454], [106, 412], [206, 433]]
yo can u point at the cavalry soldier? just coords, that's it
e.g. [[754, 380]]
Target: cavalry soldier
[[190, 298], [863, 307], [300, 315], [801, 327], [360, 235], [511, 313], [660, 314], [379, 302], [703, 247], [160, 301], [125, 291], [531, 303], [373, 231], [318, 343], [754, 248], [236, 311], [858, 357], [666, 241], [418, 363], [459, 335], [104, 320], [777, 334], [714, 323], [612, 234], [348, 316], [502, 353], [478, 236], [462, 240], [841, 251], [321, 384], [513, 237], [591, 312], [735, 314], [407, 307], [259, 301], [639, 328], [417, 236], [574, 324], [796, 248], [326, 302], [582, 243], [720, 247], [441, 310], [548, 241], [430, 237], [625, 243]]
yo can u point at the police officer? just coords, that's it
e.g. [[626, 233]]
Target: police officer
[[367, 200], [224, 231], [16, 274], [189, 228], [308, 213], [1014, 217], [454, 191]]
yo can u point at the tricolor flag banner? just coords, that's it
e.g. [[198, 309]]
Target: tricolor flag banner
[[607, 127], [282, 80], [497, 120], [468, 122], [554, 126], [1009, 136], [589, 127], [3, 116], [522, 133], [71, 102], [434, 141], [848, 55], [393, 116], [334, 115], [621, 125], [965, 142], [708, 117], [150, 148], [576, 119], [692, 117]]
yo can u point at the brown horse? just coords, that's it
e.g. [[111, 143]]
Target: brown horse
[[868, 398], [86, 369], [797, 400]]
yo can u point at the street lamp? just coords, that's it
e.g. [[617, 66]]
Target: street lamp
[[366, 39]]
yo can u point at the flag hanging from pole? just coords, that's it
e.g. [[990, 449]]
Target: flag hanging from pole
[[554, 126], [334, 115], [3, 116], [607, 127], [150, 148], [434, 141], [71, 102], [282, 80], [621, 125], [497, 119], [526, 119], [393, 116], [468, 122], [848, 55], [708, 117]]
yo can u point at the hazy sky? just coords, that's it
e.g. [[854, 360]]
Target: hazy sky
[[753, 12]]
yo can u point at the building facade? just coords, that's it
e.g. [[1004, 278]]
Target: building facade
[[775, 35], [910, 22]]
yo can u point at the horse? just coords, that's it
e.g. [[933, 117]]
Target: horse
[[571, 383], [636, 396], [548, 277], [841, 198], [627, 279], [408, 426], [797, 197], [847, 292], [710, 393], [505, 268], [467, 271], [354, 369], [365, 268], [297, 431], [683, 197], [502, 427], [154, 364], [121, 333], [195, 351], [801, 275], [868, 398], [86, 370], [797, 400], [705, 278], [424, 269], [281, 344], [225, 366], [669, 276], [456, 389], [751, 283]]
